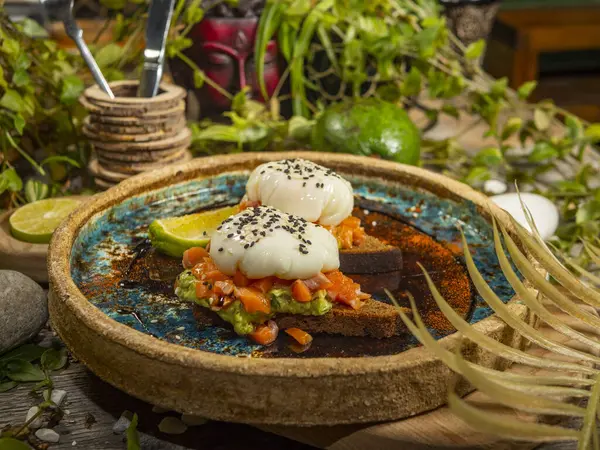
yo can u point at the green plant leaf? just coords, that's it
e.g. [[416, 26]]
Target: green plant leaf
[[498, 89], [60, 159], [477, 175], [592, 132], [411, 85], [589, 211], [490, 156], [54, 359], [193, 12], [11, 47], [526, 89], [19, 370], [7, 386], [541, 119], [511, 126], [199, 78], [21, 78], [35, 190], [475, 49], [10, 180], [268, 23], [109, 55], [574, 126], [12, 100], [33, 29], [7, 443], [285, 39], [542, 152], [133, 437], [23, 62], [26, 352], [19, 123], [72, 87]]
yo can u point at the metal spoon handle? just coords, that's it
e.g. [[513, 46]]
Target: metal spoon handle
[[75, 33]]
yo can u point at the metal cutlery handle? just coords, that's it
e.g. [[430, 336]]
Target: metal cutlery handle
[[75, 33]]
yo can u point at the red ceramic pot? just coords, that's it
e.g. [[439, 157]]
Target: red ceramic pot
[[224, 49]]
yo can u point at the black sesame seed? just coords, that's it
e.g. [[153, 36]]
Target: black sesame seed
[[221, 249]]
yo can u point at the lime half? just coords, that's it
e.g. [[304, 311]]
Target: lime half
[[37, 221], [175, 235]]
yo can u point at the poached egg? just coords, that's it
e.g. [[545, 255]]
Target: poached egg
[[263, 241], [303, 188]]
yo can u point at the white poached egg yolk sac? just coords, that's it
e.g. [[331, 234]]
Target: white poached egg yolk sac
[[263, 241], [302, 188]]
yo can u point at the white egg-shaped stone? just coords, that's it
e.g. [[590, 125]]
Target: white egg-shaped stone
[[544, 212]]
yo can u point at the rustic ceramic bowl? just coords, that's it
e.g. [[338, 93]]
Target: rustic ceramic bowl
[[151, 347]]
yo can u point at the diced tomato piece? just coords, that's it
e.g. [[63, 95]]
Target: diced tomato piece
[[351, 222], [358, 236], [241, 280], [301, 292], [216, 275], [344, 290], [318, 282], [253, 300], [249, 204], [193, 256], [345, 237], [203, 290], [224, 287], [302, 337], [264, 285], [265, 334]]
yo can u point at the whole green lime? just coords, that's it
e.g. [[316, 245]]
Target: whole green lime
[[369, 127]]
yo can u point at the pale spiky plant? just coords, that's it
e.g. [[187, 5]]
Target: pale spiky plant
[[570, 372]]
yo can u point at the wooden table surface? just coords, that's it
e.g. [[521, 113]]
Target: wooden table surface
[[92, 407]]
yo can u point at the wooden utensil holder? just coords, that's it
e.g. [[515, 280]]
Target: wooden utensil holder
[[131, 135]]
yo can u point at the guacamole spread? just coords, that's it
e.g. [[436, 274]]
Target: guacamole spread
[[243, 322]]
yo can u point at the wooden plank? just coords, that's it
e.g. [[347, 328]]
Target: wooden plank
[[525, 18]]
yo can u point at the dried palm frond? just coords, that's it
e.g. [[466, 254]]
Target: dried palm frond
[[571, 365]]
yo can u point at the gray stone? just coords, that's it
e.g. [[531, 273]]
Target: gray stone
[[37, 422], [122, 424], [192, 420], [47, 435], [23, 309], [172, 425]]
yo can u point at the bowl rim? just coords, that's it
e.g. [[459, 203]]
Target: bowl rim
[[67, 292]]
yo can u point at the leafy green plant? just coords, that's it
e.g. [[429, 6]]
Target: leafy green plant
[[571, 371], [30, 363], [39, 113]]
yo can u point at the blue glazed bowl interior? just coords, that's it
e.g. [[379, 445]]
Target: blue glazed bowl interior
[[105, 244]]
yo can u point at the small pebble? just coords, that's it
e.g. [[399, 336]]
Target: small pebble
[[47, 435], [58, 396], [159, 410], [121, 425], [37, 422], [192, 420], [172, 425], [494, 187], [74, 443]]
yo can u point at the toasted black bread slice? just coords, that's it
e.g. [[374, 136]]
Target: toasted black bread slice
[[375, 319], [371, 257]]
